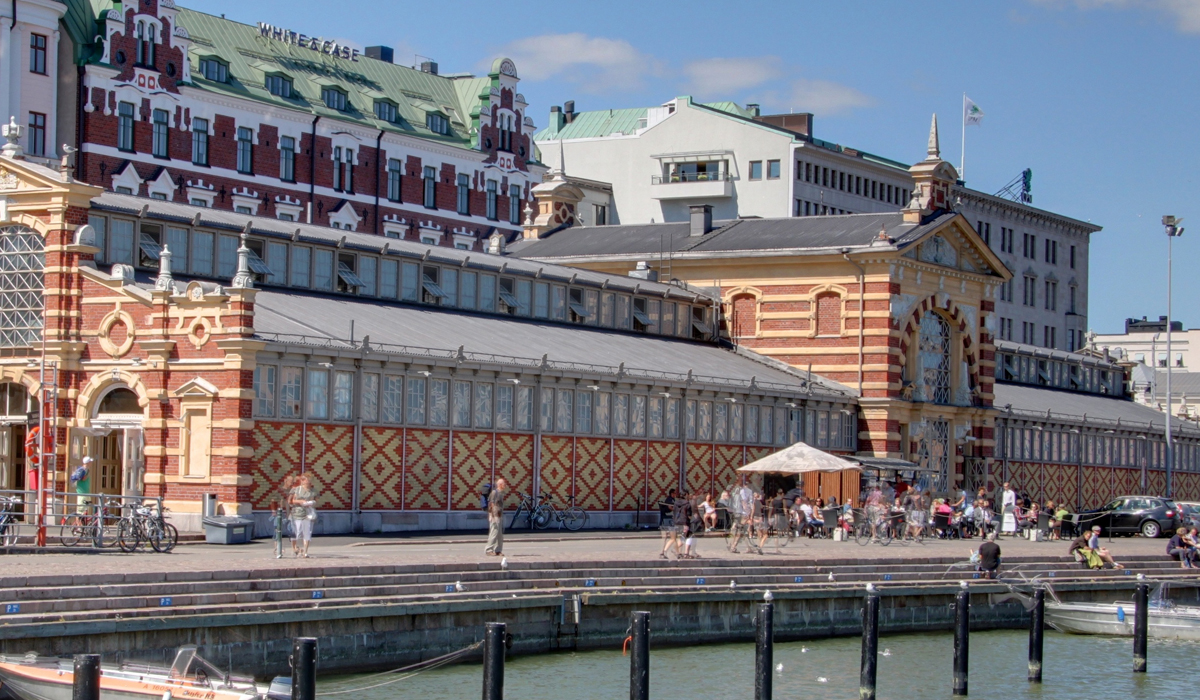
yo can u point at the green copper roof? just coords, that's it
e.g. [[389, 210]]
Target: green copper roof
[[80, 23], [252, 57], [615, 122]]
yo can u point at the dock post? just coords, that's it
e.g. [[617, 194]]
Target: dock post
[[1037, 624], [1141, 626], [86, 685], [962, 643], [304, 668], [493, 661], [639, 661], [764, 651], [870, 648]]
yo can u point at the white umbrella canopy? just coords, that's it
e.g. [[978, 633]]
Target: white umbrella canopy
[[798, 459]]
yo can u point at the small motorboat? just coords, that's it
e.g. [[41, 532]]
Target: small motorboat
[[1166, 621], [190, 677]]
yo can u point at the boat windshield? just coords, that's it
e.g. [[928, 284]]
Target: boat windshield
[[183, 661]]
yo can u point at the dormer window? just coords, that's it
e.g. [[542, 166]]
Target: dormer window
[[579, 312], [256, 262], [146, 34], [385, 110], [508, 297], [279, 85], [700, 327], [149, 246], [431, 290], [641, 320], [348, 279], [334, 98], [214, 70], [437, 123]]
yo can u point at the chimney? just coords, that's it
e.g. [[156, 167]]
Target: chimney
[[556, 118], [643, 272], [569, 111], [381, 53], [754, 110], [701, 219], [429, 67]]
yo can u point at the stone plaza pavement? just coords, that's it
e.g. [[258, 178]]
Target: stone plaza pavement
[[540, 548]]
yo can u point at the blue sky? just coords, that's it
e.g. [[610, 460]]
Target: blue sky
[[1098, 97]]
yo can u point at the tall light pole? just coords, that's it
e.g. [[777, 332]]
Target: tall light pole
[[1171, 224]]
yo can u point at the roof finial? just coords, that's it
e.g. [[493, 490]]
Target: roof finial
[[935, 149], [12, 132], [164, 283], [243, 279]]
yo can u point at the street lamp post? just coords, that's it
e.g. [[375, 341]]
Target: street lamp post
[[1173, 229]]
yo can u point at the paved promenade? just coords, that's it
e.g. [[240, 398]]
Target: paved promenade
[[540, 548]]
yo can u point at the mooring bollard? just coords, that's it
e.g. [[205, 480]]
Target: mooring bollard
[[86, 685], [639, 657], [1141, 627], [870, 648], [278, 533], [493, 661], [304, 668], [764, 651], [962, 633], [1037, 623]]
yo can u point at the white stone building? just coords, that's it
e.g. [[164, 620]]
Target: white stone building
[[30, 52], [662, 160]]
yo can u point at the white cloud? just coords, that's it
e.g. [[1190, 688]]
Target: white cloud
[[723, 77], [1185, 13], [596, 64], [821, 97]]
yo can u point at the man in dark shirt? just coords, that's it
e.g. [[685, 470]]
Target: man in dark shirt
[[989, 557], [1178, 549]]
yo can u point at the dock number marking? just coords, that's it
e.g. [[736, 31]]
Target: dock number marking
[[589, 583], [887, 577], [699, 582], [799, 579], [317, 595], [449, 588], [11, 608], [164, 602]]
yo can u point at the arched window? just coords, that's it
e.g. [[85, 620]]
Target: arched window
[[744, 321], [119, 402], [934, 349], [21, 262], [829, 314]]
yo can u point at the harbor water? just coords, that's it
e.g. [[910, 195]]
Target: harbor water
[[910, 666]]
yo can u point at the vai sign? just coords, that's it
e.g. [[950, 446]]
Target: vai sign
[[329, 48]]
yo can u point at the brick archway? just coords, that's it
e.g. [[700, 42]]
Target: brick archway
[[958, 323]]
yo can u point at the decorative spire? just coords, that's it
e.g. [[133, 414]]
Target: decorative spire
[[13, 132], [934, 151], [243, 279], [165, 282]]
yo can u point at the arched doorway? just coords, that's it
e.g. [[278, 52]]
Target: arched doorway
[[114, 440], [18, 410]]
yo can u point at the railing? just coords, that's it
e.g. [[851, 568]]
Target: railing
[[72, 519], [676, 178], [461, 356]]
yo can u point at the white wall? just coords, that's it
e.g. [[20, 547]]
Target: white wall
[[21, 91]]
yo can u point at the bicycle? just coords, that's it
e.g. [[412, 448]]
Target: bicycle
[[572, 517], [9, 528], [88, 526], [532, 512], [862, 529], [146, 526]]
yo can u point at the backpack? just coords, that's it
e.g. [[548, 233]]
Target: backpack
[[79, 474], [484, 495]]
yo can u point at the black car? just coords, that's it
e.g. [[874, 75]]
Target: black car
[[1150, 516]]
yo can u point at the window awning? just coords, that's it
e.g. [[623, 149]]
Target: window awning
[[150, 247], [509, 299], [347, 275], [701, 326], [429, 285], [579, 310], [258, 266], [642, 318]]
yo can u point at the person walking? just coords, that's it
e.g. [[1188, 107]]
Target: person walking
[[495, 513], [82, 478], [303, 514]]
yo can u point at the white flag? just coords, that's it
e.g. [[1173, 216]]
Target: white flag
[[972, 114]]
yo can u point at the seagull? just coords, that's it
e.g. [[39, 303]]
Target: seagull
[[870, 588], [504, 563], [732, 584], [822, 679], [768, 596], [832, 577], [779, 668], [1141, 577], [803, 650], [459, 587], [886, 652], [962, 585]]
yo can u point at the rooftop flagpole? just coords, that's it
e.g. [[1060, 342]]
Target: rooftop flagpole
[[962, 161]]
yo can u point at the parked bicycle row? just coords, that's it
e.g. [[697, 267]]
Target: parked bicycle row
[[129, 523]]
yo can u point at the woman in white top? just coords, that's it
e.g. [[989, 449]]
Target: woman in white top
[[710, 513]]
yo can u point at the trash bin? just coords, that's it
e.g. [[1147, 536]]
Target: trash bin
[[228, 529]]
